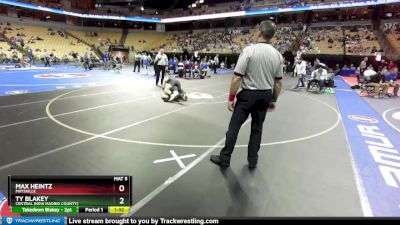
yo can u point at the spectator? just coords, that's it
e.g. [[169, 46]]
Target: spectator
[[300, 70], [392, 65], [137, 59], [378, 81], [391, 77], [363, 64], [216, 63], [320, 75]]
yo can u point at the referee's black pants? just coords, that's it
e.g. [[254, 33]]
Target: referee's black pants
[[47, 62], [155, 70], [160, 71], [137, 64], [248, 102]]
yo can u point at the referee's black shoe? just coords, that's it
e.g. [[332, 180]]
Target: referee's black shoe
[[252, 166], [217, 160]]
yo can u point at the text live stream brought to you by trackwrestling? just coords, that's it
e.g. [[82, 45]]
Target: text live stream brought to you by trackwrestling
[[59, 220]]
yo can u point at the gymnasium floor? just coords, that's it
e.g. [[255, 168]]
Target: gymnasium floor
[[313, 160]]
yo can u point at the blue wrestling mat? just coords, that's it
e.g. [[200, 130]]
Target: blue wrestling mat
[[39, 78], [374, 147]]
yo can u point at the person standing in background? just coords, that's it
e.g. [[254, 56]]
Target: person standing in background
[[106, 60], [363, 65], [316, 63], [160, 64], [216, 63], [143, 59], [300, 70], [46, 57], [137, 59], [30, 55]]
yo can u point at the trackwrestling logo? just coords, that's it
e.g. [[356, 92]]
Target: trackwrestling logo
[[32, 220], [61, 75], [364, 119]]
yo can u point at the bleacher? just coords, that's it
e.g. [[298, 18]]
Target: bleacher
[[5, 49], [214, 41], [367, 45], [103, 39], [147, 41], [219, 44], [243, 39], [359, 46], [392, 31], [55, 44], [394, 41], [185, 40]]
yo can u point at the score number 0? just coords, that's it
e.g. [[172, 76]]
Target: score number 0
[[121, 188]]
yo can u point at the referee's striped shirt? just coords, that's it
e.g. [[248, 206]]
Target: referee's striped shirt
[[259, 65]]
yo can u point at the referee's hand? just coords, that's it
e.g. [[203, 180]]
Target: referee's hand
[[231, 105], [272, 106]]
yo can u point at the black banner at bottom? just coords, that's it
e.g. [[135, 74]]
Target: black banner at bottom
[[140, 221], [213, 221]]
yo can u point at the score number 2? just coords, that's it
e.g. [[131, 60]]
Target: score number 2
[[121, 188]]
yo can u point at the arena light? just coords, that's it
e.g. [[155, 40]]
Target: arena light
[[194, 5], [203, 17], [142, 8], [201, 1], [280, 10], [45, 9], [80, 15], [346, 4]]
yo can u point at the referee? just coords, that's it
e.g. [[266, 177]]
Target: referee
[[259, 72], [160, 63]]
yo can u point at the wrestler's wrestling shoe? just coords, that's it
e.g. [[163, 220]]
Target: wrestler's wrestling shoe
[[174, 96], [184, 96]]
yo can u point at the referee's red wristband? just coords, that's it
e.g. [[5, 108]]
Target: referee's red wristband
[[232, 97]]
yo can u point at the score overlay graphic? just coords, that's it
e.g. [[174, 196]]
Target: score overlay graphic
[[70, 194]]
